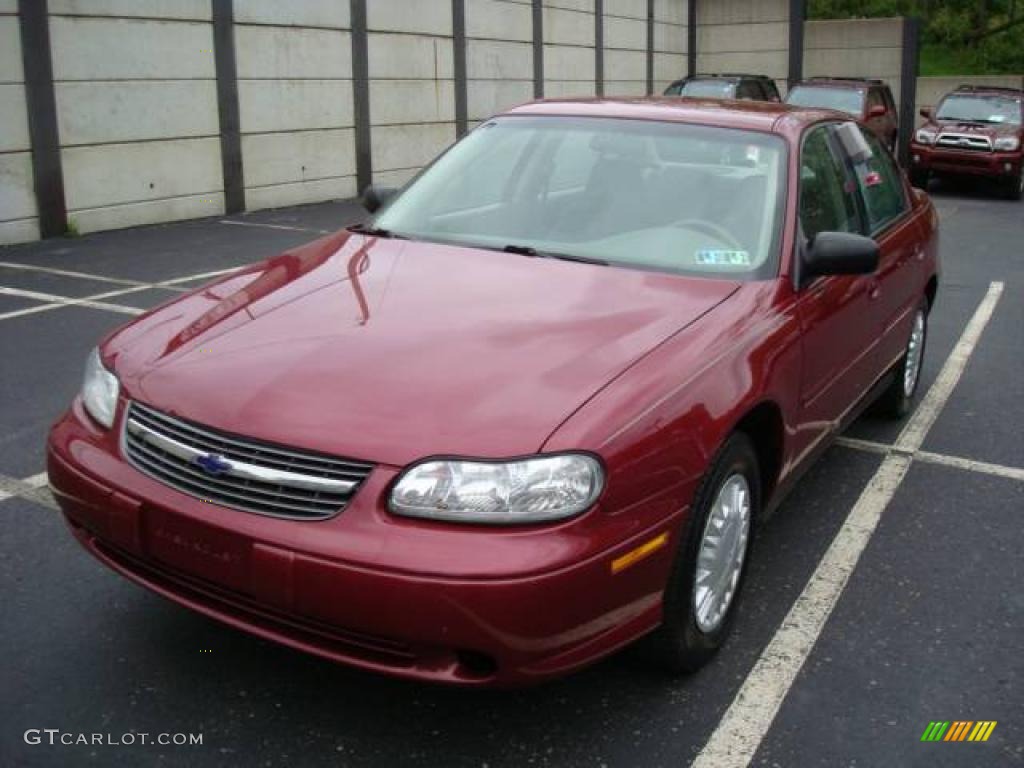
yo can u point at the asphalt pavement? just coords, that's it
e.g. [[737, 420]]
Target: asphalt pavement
[[929, 627]]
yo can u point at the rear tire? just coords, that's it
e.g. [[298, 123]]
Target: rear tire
[[895, 402], [711, 560]]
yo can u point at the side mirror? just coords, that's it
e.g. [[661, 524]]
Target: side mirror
[[877, 111], [839, 253], [374, 198], [926, 113]]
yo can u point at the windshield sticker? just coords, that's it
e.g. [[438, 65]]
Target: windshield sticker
[[721, 258]]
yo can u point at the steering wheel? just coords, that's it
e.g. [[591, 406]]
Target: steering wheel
[[710, 228]]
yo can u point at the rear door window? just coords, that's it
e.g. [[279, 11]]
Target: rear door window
[[880, 182], [875, 99]]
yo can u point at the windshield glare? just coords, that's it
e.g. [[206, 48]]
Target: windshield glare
[[708, 89], [667, 196], [981, 109], [840, 99]]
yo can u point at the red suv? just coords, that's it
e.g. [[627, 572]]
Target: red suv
[[870, 101], [975, 131]]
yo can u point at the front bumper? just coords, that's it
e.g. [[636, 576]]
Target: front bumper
[[997, 165], [342, 588]]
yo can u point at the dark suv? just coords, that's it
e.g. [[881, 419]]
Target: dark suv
[[743, 87], [870, 101], [975, 131]]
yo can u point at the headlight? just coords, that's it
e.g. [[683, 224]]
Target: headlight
[[505, 493], [1007, 144], [925, 137], [99, 390]]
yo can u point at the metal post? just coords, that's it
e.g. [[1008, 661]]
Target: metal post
[[361, 95], [459, 66], [538, 49], [908, 85], [691, 38], [227, 105], [797, 17], [33, 17]]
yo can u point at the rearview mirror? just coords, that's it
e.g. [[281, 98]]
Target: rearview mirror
[[839, 253], [926, 113], [374, 198], [877, 111]]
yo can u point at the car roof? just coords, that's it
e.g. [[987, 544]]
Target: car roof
[[722, 76], [763, 116], [842, 82], [991, 89]]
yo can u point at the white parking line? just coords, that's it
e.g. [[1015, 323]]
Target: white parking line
[[37, 481], [54, 301], [999, 470], [275, 226], [88, 301], [199, 276], [928, 457], [745, 724], [34, 489], [69, 273]]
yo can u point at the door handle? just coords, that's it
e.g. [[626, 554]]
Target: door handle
[[874, 290]]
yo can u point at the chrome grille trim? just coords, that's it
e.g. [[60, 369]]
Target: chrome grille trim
[[257, 477], [964, 141]]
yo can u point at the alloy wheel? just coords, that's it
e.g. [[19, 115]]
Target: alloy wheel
[[915, 350], [723, 549]]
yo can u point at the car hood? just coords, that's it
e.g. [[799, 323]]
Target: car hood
[[989, 130], [391, 350]]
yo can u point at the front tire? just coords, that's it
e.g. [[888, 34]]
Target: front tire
[[895, 402], [703, 591]]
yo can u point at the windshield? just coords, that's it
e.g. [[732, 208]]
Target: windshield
[[706, 89], [981, 109], [653, 195], [840, 99]]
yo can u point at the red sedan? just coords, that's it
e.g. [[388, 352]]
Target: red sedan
[[530, 413]]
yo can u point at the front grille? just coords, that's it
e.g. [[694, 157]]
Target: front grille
[[965, 142], [237, 472]]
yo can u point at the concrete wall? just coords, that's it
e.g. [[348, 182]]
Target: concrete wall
[[625, 47], [748, 36], [294, 66], [499, 56], [18, 219], [136, 111], [855, 48], [930, 90], [135, 86], [569, 39], [671, 34], [412, 92]]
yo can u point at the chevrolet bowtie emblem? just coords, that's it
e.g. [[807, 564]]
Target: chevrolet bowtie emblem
[[212, 464]]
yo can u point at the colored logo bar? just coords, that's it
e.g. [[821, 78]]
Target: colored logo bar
[[958, 730]]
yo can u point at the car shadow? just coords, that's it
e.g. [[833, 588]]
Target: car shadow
[[967, 186]]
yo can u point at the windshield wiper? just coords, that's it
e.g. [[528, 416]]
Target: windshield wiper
[[528, 250], [364, 229]]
